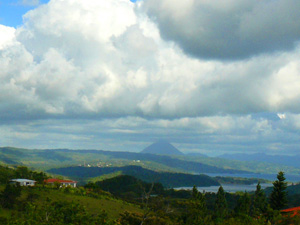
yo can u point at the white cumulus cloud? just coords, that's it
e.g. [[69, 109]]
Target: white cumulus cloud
[[106, 62]]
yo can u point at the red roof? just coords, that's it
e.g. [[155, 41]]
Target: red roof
[[59, 181], [292, 211]]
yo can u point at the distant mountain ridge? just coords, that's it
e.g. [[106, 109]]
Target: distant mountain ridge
[[196, 154], [162, 148], [58, 157], [53, 158], [262, 157]]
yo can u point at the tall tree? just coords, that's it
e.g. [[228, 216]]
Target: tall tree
[[23, 172], [278, 198], [196, 209], [260, 204], [243, 204], [199, 200], [221, 208]]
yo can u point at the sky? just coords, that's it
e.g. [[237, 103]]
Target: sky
[[208, 76]]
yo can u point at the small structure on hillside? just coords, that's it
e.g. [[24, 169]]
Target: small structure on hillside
[[65, 183], [23, 182]]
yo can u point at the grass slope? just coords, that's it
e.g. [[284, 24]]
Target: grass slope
[[94, 205]]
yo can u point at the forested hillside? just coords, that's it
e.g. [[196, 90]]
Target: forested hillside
[[167, 179]]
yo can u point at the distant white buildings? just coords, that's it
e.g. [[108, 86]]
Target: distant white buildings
[[23, 182], [137, 161]]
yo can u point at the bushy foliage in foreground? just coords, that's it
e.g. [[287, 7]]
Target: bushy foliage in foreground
[[57, 212]]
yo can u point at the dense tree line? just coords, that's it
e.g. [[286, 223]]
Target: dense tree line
[[6, 174]]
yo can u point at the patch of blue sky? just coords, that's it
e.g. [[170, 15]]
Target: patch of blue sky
[[11, 12], [271, 116]]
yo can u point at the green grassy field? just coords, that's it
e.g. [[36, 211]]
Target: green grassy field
[[93, 205]]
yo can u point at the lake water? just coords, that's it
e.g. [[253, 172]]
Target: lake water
[[231, 188], [271, 177]]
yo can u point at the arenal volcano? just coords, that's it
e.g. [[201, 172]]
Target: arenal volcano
[[162, 148]]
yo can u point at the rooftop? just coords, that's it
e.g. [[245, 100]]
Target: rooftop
[[59, 181], [292, 211], [22, 180]]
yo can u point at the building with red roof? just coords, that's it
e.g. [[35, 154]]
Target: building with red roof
[[65, 183]]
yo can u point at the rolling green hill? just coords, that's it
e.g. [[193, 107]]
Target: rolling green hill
[[129, 187], [165, 178]]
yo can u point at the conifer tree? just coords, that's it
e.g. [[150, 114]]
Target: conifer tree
[[278, 198], [221, 208], [199, 199], [260, 204], [197, 210], [244, 204]]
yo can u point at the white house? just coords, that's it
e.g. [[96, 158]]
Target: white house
[[23, 182]]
